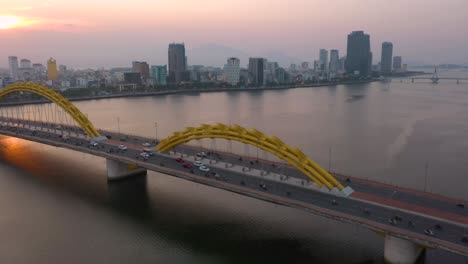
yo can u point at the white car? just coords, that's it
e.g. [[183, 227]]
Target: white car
[[201, 154], [144, 155], [198, 163], [122, 147], [204, 168], [94, 144], [66, 137], [146, 144]]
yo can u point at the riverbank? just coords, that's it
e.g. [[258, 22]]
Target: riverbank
[[187, 91]]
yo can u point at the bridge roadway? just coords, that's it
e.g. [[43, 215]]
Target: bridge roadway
[[290, 192]]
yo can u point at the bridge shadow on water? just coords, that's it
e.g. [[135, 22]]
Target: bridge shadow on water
[[178, 221]]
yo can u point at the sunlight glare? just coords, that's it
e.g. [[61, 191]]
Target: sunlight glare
[[7, 22]]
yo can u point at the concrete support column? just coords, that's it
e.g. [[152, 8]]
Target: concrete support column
[[117, 170], [400, 251]]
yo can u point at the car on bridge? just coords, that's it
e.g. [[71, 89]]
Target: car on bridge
[[204, 168], [93, 144], [145, 155], [146, 144], [122, 147], [201, 154], [180, 160], [198, 163], [187, 165]]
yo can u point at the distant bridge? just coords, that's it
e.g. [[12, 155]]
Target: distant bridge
[[410, 221]]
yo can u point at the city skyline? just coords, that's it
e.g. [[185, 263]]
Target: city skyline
[[53, 28]]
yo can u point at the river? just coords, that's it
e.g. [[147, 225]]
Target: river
[[57, 206]]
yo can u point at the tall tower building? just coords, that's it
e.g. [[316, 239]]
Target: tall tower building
[[159, 73], [358, 54], [323, 58], [13, 63], [386, 59], [334, 63], [177, 62], [24, 63], [232, 71], [256, 70], [52, 73], [397, 63], [141, 67]]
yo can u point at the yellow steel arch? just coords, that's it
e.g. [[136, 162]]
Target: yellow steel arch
[[56, 98], [272, 144]]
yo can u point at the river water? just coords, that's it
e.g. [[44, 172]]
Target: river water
[[57, 206]]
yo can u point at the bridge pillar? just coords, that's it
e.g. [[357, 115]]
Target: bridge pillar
[[401, 251], [118, 170]]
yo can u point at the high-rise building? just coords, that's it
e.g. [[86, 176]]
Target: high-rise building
[[142, 67], [232, 71], [132, 78], [13, 63], [256, 71], [159, 73], [323, 58], [38, 68], [177, 62], [397, 61], [305, 66], [386, 59], [358, 60], [25, 63], [52, 73], [342, 64], [334, 63], [62, 70]]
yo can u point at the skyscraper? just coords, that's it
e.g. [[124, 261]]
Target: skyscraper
[[159, 73], [13, 63], [142, 67], [232, 71], [386, 59], [334, 63], [256, 71], [358, 54], [397, 63], [323, 60], [177, 62], [25, 63], [52, 69]]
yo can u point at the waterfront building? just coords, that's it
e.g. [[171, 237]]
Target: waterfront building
[[386, 58], [142, 68], [358, 55], [177, 63], [232, 71], [25, 63], [323, 59], [132, 78], [397, 62], [159, 74], [334, 63], [52, 73], [256, 71], [13, 64]]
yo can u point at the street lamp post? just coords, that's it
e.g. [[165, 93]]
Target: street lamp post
[[118, 125], [156, 131], [426, 167]]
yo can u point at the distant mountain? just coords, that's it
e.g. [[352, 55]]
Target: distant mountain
[[280, 57], [215, 55]]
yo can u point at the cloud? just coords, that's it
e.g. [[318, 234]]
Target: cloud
[[22, 8]]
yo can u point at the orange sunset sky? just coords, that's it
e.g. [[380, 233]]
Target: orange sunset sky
[[106, 33]]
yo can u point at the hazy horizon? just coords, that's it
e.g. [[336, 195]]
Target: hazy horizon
[[112, 34]]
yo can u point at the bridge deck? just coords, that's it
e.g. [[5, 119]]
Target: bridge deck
[[432, 210]]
